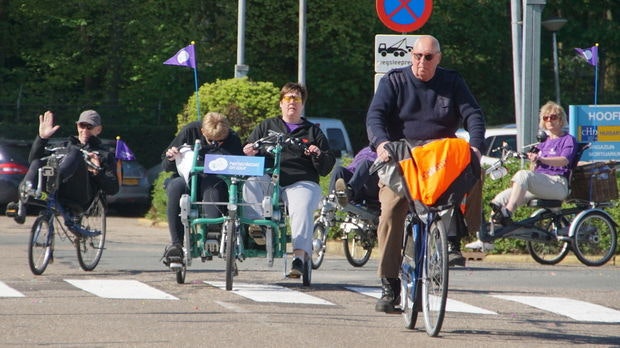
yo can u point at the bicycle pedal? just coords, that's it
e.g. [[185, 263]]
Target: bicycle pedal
[[176, 266]]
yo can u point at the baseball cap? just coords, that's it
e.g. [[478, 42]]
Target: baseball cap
[[91, 117]]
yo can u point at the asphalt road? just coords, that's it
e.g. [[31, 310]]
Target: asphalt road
[[131, 300]]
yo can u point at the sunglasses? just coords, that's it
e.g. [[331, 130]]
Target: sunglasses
[[427, 57], [290, 99], [551, 117], [86, 126]]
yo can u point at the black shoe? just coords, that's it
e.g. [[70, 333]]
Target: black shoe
[[455, 258], [297, 268], [390, 295], [173, 253], [343, 192], [13, 210], [501, 215]]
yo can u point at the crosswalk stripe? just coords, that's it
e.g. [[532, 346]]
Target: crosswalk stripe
[[451, 305], [574, 309], [271, 293], [7, 291], [120, 289]]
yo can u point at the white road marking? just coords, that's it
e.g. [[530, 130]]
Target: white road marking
[[574, 309], [271, 293], [120, 289], [7, 291], [451, 305]]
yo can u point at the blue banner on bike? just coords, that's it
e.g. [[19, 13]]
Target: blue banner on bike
[[234, 165]]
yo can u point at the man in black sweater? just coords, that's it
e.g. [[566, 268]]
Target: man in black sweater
[[420, 102]]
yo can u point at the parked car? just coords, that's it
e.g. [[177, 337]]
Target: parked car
[[13, 167], [336, 134], [493, 139], [134, 194]]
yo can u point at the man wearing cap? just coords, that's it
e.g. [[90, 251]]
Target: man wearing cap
[[78, 181]]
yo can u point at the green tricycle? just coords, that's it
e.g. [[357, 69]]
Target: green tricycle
[[228, 236]]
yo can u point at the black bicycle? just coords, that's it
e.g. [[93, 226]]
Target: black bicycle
[[86, 230]]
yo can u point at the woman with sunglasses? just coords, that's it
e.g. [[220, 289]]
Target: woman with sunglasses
[[78, 181], [552, 161], [300, 170]]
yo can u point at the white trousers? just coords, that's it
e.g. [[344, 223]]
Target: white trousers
[[301, 200]]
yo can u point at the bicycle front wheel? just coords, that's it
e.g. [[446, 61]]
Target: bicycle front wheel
[[357, 248], [410, 286], [231, 240], [319, 240], [41, 244], [595, 238], [90, 248], [435, 278], [554, 251]]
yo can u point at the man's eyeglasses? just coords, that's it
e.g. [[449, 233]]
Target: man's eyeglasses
[[86, 126], [289, 99], [551, 117], [427, 57]]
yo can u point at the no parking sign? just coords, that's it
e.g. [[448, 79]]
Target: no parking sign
[[404, 15]]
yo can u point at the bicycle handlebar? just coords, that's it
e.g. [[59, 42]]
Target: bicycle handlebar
[[274, 138]]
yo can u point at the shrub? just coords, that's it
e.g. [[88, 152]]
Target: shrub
[[244, 102]]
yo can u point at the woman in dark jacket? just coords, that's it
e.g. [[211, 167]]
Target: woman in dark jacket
[[299, 169]]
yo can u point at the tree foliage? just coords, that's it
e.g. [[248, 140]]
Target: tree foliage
[[245, 102], [108, 54]]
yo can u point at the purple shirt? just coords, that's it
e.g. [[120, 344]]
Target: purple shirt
[[365, 154], [564, 146]]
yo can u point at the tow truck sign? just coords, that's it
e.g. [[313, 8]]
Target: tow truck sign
[[392, 51]]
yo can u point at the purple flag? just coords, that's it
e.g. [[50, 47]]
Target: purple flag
[[589, 54], [123, 152], [185, 57]]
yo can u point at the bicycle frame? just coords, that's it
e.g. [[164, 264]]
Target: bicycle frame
[[424, 271], [88, 242], [197, 242], [358, 227]]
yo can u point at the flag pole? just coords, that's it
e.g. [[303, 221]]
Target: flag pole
[[196, 85], [119, 165], [596, 77]]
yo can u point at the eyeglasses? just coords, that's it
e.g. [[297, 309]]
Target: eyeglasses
[[427, 57], [86, 126], [290, 99], [551, 117]]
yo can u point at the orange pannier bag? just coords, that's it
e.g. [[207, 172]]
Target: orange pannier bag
[[440, 172]]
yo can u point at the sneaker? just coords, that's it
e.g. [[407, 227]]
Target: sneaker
[[343, 193], [256, 232], [479, 245], [455, 258], [13, 210], [390, 295], [501, 215], [297, 268], [173, 253]]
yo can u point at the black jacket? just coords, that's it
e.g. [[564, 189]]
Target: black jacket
[[105, 180], [295, 166]]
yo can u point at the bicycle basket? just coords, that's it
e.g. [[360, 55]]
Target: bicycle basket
[[594, 182]]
